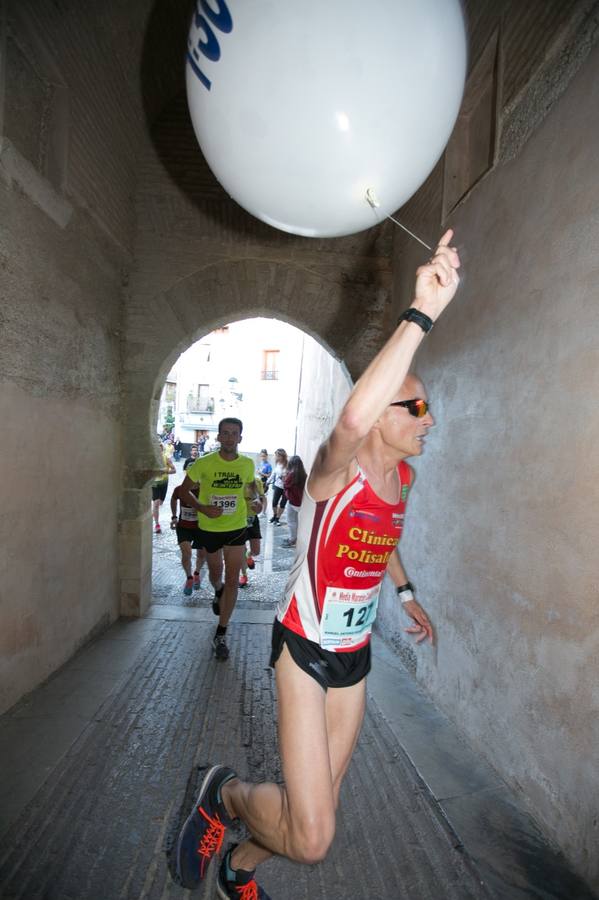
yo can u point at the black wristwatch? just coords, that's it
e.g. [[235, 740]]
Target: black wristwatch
[[419, 318]]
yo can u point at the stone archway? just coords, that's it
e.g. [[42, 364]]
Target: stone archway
[[323, 307], [200, 261]]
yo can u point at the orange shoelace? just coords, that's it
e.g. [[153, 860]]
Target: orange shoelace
[[212, 841], [248, 891]]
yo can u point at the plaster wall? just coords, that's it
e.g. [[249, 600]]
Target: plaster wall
[[64, 245], [502, 528]]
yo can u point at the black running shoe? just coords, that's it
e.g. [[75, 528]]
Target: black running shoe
[[202, 835], [244, 887], [215, 603], [221, 651]]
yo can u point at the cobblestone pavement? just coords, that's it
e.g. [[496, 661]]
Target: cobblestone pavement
[[106, 758]]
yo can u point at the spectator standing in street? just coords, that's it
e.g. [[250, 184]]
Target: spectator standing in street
[[193, 455], [264, 469], [277, 478], [294, 483], [160, 487]]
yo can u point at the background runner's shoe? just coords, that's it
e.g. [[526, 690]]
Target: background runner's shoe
[[188, 586], [243, 581], [196, 581], [244, 886], [157, 529], [203, 833], [215, 603], [221, 651]]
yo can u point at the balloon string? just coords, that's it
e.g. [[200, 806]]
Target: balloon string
[[411, 233]]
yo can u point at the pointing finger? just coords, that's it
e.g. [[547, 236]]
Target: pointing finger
[[445, 240]]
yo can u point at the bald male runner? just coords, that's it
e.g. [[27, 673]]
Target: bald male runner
[[350, 523]]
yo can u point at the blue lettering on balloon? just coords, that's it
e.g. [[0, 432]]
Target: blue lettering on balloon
[[221, 19], [208, 45], [200, 75]]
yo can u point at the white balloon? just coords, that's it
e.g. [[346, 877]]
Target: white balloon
[[300, 108]]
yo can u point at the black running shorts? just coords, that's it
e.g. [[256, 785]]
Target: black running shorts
[[159, 491], [213, 541], [253, 531], [192, 535], [335, 670]]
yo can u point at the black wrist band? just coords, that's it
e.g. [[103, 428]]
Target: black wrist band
[[419, 318], [408, 586]]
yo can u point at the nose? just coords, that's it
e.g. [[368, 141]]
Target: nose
[[428, 420]]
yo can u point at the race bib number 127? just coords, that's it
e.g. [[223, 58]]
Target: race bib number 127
[[347, 616]]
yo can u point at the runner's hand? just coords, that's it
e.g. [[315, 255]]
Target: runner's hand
[[256, 505], [437, 281], [422, 627], [213, 512]]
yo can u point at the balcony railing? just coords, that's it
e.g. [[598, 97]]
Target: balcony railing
[[195, 406], [270, 375]]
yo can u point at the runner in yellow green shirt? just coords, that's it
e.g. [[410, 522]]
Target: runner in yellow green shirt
[[225, 479]]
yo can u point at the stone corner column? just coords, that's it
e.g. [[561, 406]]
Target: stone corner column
[[135, 549]]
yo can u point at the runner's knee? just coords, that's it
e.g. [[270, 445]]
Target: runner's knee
[[309, 841]]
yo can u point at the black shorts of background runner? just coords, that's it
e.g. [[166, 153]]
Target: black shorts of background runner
[[159, 491], [329, 669], [278, 498], [192, 535], [253, 532], [213, 541]]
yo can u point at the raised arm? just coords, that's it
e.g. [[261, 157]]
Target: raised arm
[[436, 284]]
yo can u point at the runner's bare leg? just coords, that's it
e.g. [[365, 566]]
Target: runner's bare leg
[[318, 731], [233, 558]]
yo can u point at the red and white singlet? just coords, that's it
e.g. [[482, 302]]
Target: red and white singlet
[[344, 544]]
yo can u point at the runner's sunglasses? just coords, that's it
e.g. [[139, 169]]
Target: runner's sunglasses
[[417, 408]]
